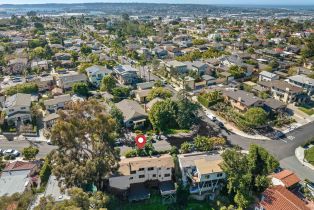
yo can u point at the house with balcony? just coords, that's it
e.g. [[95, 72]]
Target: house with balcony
[[96, 73], [126, 75], [58, 102], [267, 76], [304, 82], [135, 174], [177, 67], [201, 171], [66, 81], [285, 92], [133, 113], [242, 100], [17, 108]]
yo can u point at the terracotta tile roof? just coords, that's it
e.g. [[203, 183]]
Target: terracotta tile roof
[[287, 177], [18, 166], [279, 198]]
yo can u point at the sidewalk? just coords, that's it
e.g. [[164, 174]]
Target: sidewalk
[[230, 127], [299, 153]]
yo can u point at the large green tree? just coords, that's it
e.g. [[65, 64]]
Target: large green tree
[[30, 152], [255, 117], [79, 200], [80, 88], [247, 173], [84, 138], [108, 83], [159, 92]]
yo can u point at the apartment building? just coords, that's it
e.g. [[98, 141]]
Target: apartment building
[[135, 172], [202, 172]]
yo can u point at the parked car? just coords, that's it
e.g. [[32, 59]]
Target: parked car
[[211, 117], [12, 152], [220, 124]]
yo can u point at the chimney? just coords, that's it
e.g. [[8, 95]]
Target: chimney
[[239, 99], [287, 89]]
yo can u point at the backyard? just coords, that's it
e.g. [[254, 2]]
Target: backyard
[[155, 203]]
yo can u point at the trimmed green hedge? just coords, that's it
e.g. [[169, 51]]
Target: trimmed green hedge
[[205, 102]]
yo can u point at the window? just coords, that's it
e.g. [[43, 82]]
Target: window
[[167, 175], [141, 176], [141, 169], [11, 110], [23, 107], [208, 176], [133, 172], [219, 175], [151, 168], [131, 178], [154, 175]]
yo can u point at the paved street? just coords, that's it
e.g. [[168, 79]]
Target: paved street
[[44, 148], [283, 149]]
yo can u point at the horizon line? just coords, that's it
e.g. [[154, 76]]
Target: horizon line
[[224, 4]]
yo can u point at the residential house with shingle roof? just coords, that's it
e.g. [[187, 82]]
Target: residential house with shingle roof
[[58, 102], [284, 91], [126, 74], [133, 113], [96, 73], [242, 100], [17, 108]]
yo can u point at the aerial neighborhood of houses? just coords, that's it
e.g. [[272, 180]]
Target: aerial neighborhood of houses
[[127, 111]]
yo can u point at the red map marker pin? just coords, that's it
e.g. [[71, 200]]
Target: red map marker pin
[[140, 141]]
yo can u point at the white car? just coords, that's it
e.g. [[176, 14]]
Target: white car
[[211, 116], [13, 152]]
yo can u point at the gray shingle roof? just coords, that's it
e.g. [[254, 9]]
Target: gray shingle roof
[[131, 109], [19, 99]]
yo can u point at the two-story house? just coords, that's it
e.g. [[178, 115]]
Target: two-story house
[[176, 66], [58, 102], [267, 76], [201, 172], [17, 108], [197, 66], [96, 73], [126, 75], [66, 81], [135, 172], [242, 100], [304, 82], [284, 91], [133, 113]]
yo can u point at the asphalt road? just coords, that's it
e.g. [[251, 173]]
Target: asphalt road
[[43, 147], [283, 149]]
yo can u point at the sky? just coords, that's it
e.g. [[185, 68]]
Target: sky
[[267, 2]]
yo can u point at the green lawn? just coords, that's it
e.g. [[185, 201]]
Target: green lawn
[[308, 111], [309, 155]]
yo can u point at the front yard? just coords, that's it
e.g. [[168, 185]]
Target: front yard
[[307, 108], [309, 155]]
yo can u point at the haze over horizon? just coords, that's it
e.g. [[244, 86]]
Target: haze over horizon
[[233, 2]]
